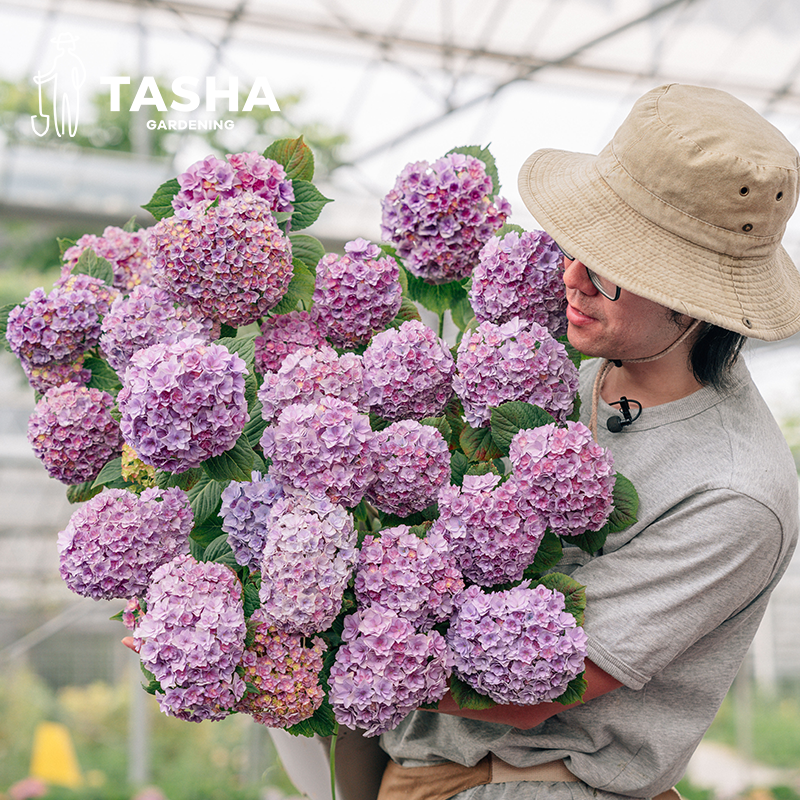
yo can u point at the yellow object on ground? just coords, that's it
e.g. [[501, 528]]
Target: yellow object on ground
[[53, 759]]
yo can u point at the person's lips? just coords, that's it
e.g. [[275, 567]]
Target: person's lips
[[577, 317]]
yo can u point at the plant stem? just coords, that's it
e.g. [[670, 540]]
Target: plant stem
[[441, 325], [333, 761]]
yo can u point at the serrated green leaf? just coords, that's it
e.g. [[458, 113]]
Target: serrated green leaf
[[322, 723], [548, 554], [255, 427], [378, 423], [64, 245], [459, 464], [308, 204], [89, 263], [205, 498], [220, 552], [209, 530], [441, 424], [408, 311], [626, 505], [300, 289], [510, 418], [235, 464], [435, 297], [575, 414], [307, 249], [466, 697], [243, 346], [183, 480], [112, 471], [574, 593], [295, 156], [575, 355], [81, 492], [131, 226], [462, 313], [574, 692], [590, 541], [103, 376], [160, 204], [508, 228], [483, 468], [478, 444], [483, 154], [250, 599], [196, 549]]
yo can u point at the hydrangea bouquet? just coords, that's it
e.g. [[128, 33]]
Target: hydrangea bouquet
[[318, 511]]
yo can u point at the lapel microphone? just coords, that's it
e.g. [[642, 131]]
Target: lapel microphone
[[616, 424]]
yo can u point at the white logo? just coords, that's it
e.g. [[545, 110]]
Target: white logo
[[65, 79]]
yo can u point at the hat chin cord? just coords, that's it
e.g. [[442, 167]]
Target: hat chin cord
[[608, 363]]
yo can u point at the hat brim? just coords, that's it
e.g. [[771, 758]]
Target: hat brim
[[758, 297]]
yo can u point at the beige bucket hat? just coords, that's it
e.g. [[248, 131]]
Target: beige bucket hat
[[686, 206]]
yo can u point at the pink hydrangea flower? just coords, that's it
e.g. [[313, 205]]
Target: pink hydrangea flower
[[283, 334]]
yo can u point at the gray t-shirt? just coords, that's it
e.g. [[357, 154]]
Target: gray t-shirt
[[672, 603]]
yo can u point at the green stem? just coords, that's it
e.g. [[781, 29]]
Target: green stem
[[441, 325], [333, 761]]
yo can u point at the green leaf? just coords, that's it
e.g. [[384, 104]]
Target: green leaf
[[307, 248], [255, 427], [93, 265], [196, 549], [111, 472], [295, 156], [205, 498], [508, 228], [548, 555], [300, 289], [462, 313], [160, 205], [589, 541], [377, 423], [4, 312], [81, 492], [575, 414], [250, 599], [574, 593], [130, 226], [574, 692], [435, 297], [441, 424], [243, 346], [466, 697], [103, 376], [235, 464], [183, 480], [483, 468], [575, 355], [227, 331], [220, 552], [408, 311], [322, 723], [478, 444], [64, 245], [459, 464], [308, 203], [626, 505], [484, 155], [207, 532], [516, 415]]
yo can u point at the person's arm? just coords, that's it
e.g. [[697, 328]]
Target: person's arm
[[525, 717]]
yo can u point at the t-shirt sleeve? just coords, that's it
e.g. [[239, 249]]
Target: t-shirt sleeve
[[677, 580]]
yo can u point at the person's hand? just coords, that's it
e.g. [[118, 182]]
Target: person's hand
[[130, 644]]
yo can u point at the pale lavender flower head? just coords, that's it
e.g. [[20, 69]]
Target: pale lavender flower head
[[356, 294], [72, 432], [566, 476], [147, 317], [384, 670], [230, 262], [325, 448], [192, 638], [283, 669], [520, 276], [127, 251], [415, 578], [183, 403], [245, 509], [489, 528], [114, 542], [408, 372], [518, 360], [309, 556], [438, 216], [309, 374], [517, 646], [413, 463], [283, 334]]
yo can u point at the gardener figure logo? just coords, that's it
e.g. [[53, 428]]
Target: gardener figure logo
[[65, 79]]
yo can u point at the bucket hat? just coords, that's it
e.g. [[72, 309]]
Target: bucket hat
[[686, 206]]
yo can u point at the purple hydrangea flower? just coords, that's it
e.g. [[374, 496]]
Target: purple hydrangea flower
[[183, 403], [309, 555], [47, 376], [567, 477], [357, 294], [384, 670], [245, 509], [284, 334], [230, 262], [325, 448], [518, 360], [415, 578], [284, 669], [490, 529], [413, 463], [520, 276], [308, 374], [127, 252], [518, 646], [439, 215], [113, 544], [192, 638], [147, 317], [244, 172], [408, 372], [73, 433]]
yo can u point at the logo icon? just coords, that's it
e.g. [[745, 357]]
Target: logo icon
[[64, 80]]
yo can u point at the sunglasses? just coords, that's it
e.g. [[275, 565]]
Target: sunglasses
[[603, 285]]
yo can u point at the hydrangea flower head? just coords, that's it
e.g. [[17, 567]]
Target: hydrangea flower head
[[245, 509], [357, 294], [308, 374], [408, 372], [567, 477], [230, 262], [183, 403], [192, 638], [147, 317], [283, 334], [325, 448], [518, 360], [413, 463], [520, 275], [438, 216], [309, 554], [72, 432], [114, 542], [56, 373], [415, 578], [517, 646], [384, 670], [134, 470], [284, 669], [489, 528]]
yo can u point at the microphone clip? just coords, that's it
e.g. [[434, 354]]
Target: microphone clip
[[616, 424]]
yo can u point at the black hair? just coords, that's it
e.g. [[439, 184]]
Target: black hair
[[713, 353]]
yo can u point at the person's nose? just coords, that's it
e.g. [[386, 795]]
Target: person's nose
[[576, 277]]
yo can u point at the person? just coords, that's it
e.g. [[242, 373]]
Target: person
[[673, 256]]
